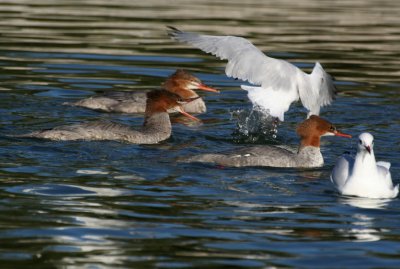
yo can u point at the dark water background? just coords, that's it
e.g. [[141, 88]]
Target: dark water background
[[114, 205]]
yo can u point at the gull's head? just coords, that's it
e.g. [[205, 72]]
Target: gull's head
[[365, 143]]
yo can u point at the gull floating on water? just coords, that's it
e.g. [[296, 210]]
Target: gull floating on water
[[281, 82], [362, 176]]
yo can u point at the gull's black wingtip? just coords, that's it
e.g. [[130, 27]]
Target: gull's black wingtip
[[172, 31], [335, 92]]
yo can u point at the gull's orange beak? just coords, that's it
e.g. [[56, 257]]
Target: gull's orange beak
[[183, 112], [337, 133], [206, 88]]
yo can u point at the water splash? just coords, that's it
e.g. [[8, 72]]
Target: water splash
[[255, 125]]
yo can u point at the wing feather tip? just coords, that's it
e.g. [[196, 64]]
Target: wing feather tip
[[173, 31]]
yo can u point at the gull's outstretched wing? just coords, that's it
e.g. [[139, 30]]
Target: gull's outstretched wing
[[246, 62], [322, 90]]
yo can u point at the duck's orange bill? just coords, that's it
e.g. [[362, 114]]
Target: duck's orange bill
[[206, 88], [188, 115], [342, 134]]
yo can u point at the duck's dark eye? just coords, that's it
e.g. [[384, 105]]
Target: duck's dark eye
[[359, 141], [180, 101], [333, 128]]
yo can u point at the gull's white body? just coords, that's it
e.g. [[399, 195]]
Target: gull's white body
[[281, 82], [362, 176]]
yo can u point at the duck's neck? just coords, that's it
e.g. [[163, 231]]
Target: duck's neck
[[309, 156], [156, 128], [309, 153], [157, 122], [312, 141]]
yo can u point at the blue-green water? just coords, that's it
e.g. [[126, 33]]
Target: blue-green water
[[114, 205]]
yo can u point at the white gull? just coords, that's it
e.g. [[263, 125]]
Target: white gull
[[281, 82], [362, 176]]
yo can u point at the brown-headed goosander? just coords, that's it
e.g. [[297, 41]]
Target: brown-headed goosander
[[156, 127], [308, 154], [181, 83]]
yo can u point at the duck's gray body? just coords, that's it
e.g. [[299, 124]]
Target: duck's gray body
[[157, 128], [270, 156], [130, 103]]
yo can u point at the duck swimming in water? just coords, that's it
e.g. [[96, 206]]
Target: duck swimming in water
[[181, 83], [308, 154], [156, 127]]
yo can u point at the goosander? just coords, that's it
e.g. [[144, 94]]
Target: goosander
[[181, 83], [281, 82], [156, 127], [362, 176], [308, 154]]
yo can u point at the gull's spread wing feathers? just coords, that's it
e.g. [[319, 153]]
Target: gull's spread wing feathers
[[246, 62]]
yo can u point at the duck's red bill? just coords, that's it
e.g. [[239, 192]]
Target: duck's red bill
[[188, 115], [342, 134], [206, 88]]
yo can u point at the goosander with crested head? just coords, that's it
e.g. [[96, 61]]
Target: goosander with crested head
[[156, 127], [181, 83], [362, 176], [308, 154], [281, 82]]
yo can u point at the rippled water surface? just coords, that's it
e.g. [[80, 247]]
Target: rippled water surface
[[114, 205]]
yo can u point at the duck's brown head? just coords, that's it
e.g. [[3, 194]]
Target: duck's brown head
[[159, 101], [311, 130], [183, 84]]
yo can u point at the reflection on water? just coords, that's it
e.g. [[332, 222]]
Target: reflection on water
[[106, 204], [365, 202], [365, 231], [363, 224], [65, 190]]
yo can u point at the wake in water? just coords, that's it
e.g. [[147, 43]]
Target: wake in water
[[256, 125]]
